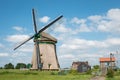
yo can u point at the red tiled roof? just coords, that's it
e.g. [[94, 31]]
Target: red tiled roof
[[107, 59]]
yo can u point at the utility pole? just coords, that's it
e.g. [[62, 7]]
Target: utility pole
[[111, 56]]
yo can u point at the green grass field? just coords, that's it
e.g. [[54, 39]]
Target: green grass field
[[115, 78], [39, 75], [45, 75]]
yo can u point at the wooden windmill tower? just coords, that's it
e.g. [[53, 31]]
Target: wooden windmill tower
[[44, 55]]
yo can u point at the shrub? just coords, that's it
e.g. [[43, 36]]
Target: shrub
[[52, 73], [74, 72], [62, 72], [110, 73], [89, 72]]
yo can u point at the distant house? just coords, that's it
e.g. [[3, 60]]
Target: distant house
[[106, 63], [81, 66]]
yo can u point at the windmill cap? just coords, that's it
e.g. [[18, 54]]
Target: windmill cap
[[47, 37]]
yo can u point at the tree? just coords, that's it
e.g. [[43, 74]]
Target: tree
[[1, 67], [9, 66], [96, 66], [20, 65], [28, 65]]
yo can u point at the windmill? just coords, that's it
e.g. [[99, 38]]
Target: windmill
[[42, 37]]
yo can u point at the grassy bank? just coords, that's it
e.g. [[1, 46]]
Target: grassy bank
[[39, 75]]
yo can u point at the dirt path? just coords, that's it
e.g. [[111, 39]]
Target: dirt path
[[98, 78]]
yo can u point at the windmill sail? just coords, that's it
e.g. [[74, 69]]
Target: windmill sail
[[38, 60], [41, 30], [39, 48]]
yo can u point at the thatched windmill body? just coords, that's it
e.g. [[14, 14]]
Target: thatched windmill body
[[44, 55]]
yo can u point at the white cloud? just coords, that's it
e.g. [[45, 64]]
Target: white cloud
[[113, 41], [27, 48], [114, 14], [44, 19], [91, 55], [110, 22], [102, 27], [4, 54], [72, 45], [83, 28], [61, 28], [109, 26], [18, 54], [80, 24], [17, 38], [18, 28], [76, 49], [67, 56], [107, 23], [95, 18], [78, 21]]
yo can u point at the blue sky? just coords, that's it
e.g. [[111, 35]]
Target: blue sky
[[89, 30]]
